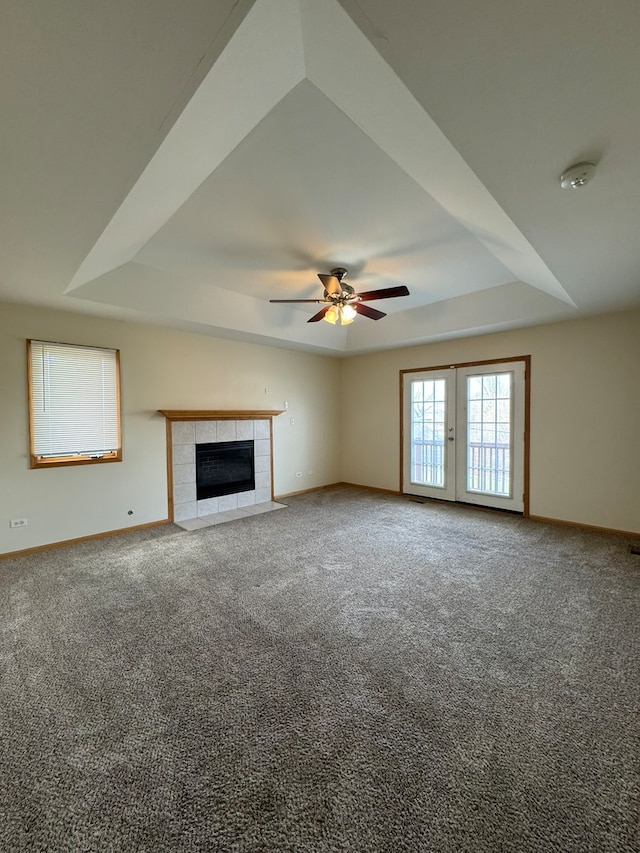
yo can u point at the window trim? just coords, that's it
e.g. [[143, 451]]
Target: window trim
[[40, 462]]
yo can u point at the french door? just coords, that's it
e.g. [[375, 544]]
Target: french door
[[463, 434]]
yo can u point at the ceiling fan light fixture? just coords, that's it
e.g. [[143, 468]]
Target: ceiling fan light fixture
[[332, 315], [347, 315], [344, 313]]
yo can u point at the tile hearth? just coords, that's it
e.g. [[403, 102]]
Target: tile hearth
[[230, 515]]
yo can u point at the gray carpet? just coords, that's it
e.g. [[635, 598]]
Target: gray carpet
[[357, 672]]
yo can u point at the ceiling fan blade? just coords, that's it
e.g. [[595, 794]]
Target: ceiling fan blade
[[320, 314], [385, 293], [317, 301], [331, 283], [372, 313]]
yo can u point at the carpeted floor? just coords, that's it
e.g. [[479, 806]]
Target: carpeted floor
[[357, 672]]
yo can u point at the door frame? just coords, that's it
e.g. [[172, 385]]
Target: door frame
[[527, 415]]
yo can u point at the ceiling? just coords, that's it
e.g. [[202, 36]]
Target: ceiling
[[182, 163]]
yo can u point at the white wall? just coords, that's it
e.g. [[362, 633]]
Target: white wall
[[585, 414], [160, 369]]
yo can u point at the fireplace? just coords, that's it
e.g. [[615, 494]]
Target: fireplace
[[186, 430], [224, 468]]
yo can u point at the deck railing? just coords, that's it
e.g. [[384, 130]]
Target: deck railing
[[488, 466]]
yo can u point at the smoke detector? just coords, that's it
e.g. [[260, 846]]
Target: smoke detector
[[577, 175]]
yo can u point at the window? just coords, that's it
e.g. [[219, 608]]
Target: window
[[74, 404]]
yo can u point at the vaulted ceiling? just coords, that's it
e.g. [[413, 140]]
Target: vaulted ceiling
[[183, 163]]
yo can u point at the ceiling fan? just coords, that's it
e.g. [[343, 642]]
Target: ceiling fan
[[343, 303]]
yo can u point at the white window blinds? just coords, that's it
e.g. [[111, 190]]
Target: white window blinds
[[74, 400]]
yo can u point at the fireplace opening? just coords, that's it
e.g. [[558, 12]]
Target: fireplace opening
[[224, 468]]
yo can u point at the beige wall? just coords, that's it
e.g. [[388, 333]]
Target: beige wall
[[160, 369], [585, 418], [585, 414]]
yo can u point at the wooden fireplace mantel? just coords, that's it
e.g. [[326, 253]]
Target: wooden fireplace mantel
[[216, 415]]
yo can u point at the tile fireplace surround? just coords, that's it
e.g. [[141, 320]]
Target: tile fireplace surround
[[185, 429]]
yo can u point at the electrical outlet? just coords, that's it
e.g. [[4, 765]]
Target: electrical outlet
[[292, 421], [18, 522], [285, 405], [267, 391]]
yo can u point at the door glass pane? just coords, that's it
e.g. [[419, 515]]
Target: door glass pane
[[489, 433], [428, 432]]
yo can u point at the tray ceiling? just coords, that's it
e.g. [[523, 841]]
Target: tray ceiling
[[303, 139]]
